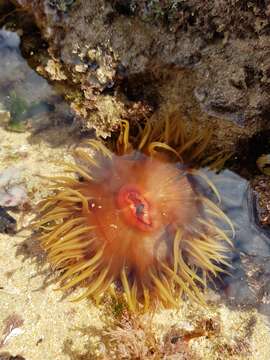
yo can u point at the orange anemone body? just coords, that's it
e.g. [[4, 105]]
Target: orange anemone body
[[135, 208]]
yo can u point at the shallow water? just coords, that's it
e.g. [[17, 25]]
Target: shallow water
[[47, 319], [30, 100]]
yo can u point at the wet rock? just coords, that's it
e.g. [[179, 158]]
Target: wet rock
[[232, 84], [11, 193], [12, 326], [54, 70], [260, 198], [4, 115], [14, 196], [257, 271], [263, 164], [226, 44], [7, 222], [20, 86], [27, 100], [8, 356], [61, 5]]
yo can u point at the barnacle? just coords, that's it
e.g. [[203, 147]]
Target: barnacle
[[138, 215]]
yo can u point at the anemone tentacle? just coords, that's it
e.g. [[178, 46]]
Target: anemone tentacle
[[137, 215]]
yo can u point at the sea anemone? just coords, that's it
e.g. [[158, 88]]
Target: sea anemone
[[136, 217]]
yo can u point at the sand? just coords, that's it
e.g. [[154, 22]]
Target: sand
[[38, 322]]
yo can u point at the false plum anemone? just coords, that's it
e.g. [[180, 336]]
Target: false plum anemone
[[137, 215]]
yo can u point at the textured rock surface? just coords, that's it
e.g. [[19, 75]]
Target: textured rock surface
[[118, 55], [261, 195]]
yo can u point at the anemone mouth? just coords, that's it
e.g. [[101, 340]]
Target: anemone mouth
[[148, 227], [135, 208]]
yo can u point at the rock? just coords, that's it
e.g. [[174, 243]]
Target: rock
[[14, 196], [8, 176], [257, 270], [4, 116], [7, 222], [260, 198], [263, 164], [8, 356], [54, 70], [103, 46], [11, 193]]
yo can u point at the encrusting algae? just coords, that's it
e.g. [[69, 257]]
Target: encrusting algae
[[137, 215]]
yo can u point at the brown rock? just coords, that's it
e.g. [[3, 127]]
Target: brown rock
[[105, 45], [261, 200]]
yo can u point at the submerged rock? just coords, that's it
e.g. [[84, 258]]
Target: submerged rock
[[24, 95], [11, 194], [7, 222], [260, 201], [257, 270]]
